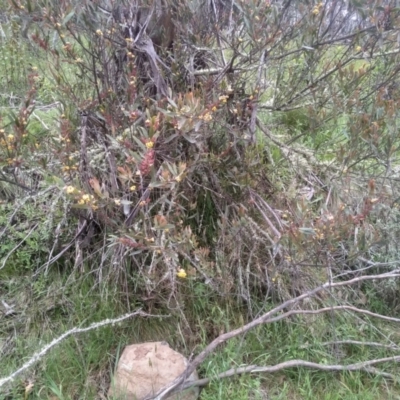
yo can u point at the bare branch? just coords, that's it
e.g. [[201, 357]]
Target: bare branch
[[38, 355], [269, 317], [361, 343], [362, 366]]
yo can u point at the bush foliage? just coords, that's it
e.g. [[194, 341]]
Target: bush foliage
[[248, 145]]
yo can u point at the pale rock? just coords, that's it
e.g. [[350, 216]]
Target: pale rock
[[145, 368]]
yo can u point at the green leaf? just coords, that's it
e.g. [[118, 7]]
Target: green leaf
[[68, 17], [307, 231]]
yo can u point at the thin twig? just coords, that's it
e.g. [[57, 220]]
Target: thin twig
[[362, 366], [361, 343], [38, 355]]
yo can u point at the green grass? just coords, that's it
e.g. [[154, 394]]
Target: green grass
[[80, 367]]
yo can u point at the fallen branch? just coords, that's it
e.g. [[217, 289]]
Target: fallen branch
[[362, 366], [270, 317], [361, 343], [37, 356]]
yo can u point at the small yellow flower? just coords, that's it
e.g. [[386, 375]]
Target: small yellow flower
[[358, 48], [99, 32], [207, 117], [86, 198], [132, 188], [214, 109], [117, 202], [70, 189], [81, 202], [10, 137], [149, 145], [181, 273]]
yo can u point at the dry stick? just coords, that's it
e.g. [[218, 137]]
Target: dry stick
[[301, 363], [253, 118], [362, 366], [266, 318], [334, 308], [361, 343], [37, 356], [371, 264]]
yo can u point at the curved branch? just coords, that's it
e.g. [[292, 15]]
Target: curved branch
[[268, 318], [362, 366]]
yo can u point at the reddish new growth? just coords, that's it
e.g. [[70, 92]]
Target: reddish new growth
[[129, 242], [147, 162], [41, 42]]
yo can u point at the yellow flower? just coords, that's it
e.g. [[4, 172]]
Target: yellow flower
[[86, 198], [149, 145], [99, 32], [358, 48], [207, 117], [181, 273], [10, 137], [117, 202], [214, 109], [132, 188], [70, 189]]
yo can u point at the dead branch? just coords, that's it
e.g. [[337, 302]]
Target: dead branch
[[361, 343], [39, 355], [362, 366], [270, 317]]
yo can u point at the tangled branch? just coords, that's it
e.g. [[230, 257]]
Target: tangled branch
[[271, 316]]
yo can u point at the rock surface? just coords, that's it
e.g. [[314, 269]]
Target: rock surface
[[145, 368]]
